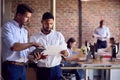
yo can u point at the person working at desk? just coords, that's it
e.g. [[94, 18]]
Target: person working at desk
[[113, 48], [49, 68], [67, 63], [15, 44], [102, 33]]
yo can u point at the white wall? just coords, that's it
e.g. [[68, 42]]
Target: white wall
[[0, 38], [115, 73], [6, 11]]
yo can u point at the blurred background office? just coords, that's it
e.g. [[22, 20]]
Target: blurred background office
[[74, 18]]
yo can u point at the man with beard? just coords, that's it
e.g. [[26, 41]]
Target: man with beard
[[15, 44], [49, 68]]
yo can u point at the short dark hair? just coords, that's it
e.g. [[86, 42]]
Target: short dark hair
[[23, 8], [47, 15], [70, 40], [101, 21], [112, 39]]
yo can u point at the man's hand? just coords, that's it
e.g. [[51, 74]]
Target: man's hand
[[64, 53], [39, 55], [43, 56]]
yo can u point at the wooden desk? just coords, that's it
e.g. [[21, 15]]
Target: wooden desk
[[96, 64]]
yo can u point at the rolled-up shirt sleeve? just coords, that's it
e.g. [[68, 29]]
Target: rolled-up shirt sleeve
[[7, 36], [62, 42]]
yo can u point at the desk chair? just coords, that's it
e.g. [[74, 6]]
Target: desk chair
[[67, 75]]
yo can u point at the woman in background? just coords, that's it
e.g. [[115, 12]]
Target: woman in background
[[79, 73]]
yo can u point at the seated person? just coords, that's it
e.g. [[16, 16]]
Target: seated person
[[113, 47], [79, 73], [112, 44]]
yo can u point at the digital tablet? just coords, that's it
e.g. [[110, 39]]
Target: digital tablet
[[38, 49]]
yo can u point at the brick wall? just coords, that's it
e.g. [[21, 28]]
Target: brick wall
[[67, 16], [94, 11], [39, 6]]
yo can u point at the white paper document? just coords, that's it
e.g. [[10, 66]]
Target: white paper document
[[54, 50]]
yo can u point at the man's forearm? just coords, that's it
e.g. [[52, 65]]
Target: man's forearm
[[21, 46]]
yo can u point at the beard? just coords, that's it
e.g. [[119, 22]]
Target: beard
[[46, 30]]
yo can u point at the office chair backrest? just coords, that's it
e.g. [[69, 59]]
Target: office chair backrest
[[92, 51]]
